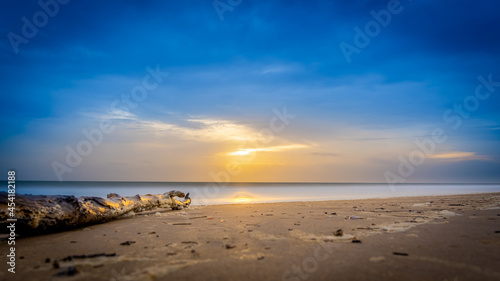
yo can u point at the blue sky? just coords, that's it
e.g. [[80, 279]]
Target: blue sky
[[354, 119]]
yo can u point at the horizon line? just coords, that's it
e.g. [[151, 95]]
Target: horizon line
[[242, 182]]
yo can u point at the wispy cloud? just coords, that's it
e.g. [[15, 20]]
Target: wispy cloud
[[459, 156], [199, 129], [277, 148], [204, 130], [328, 154], [280, 68]]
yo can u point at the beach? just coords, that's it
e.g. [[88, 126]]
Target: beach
[[450, 237]]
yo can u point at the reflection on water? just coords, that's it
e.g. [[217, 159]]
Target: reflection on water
[[238, 193], [243, 197]]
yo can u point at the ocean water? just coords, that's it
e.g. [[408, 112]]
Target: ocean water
[[235, 193]]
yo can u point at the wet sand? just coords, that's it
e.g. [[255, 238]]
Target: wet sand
[[415, 238]]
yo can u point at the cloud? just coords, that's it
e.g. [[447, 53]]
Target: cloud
[[203, 130], [460, 156], [280, 68], [328, 154], [119, 115], [200, 129], [277, 148]]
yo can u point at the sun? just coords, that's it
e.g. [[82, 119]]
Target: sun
[[242, 200], [243, 152], [240, 153], [242, 197]]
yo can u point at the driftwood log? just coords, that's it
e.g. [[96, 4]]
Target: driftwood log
[[37, 214]]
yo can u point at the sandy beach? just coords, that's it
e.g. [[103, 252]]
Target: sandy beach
[[414, 238]]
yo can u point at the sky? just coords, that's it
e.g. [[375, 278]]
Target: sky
[[251, 91]]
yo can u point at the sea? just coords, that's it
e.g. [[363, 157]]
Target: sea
[[211, 193]]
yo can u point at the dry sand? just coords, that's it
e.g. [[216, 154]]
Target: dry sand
[[416, 238]]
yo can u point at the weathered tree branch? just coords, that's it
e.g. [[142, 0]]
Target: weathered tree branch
[[38, 214]]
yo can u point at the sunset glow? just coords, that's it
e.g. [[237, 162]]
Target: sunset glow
[[247, 151], [243, 197], [258, 96]]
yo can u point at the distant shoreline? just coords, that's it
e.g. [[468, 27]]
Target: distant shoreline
[[213, 194], [249, 183]]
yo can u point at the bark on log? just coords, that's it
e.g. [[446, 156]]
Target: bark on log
[[37, 214]]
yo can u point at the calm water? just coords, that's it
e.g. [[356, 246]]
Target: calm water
[[211, 193]]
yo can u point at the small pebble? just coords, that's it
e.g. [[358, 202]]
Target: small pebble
[[356, 241], [400, 254]]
